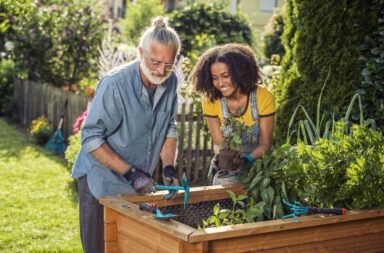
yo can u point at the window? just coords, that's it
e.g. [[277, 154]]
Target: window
[[268, 5]]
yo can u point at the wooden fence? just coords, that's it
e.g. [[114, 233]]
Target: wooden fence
[[31, 100]]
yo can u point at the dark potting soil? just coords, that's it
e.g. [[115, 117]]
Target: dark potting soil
[[194, 214]]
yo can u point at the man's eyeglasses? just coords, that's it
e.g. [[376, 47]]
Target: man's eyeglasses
[[156, 64]]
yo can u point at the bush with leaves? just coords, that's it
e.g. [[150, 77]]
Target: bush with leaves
[[201, 25], [57, 42], [345, 170], [316, 42], [272, 36], [41, 130], [74, 141], [6, 85], [138, 17], [74, 144], [9, 11], [372, 87]]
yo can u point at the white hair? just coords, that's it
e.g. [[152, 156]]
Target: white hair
[[161, 33]]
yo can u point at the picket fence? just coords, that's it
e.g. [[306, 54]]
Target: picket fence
[[32, 100]]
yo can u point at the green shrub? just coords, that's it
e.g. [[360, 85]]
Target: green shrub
[[57, 42], [272, 37], [41, 130], [9, 10], [317, 42], [201, 25], [346, 170], [372, 87], [74, 144], [6, 85], [138, 17]]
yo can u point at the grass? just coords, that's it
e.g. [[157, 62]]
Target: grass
[[38, 201]]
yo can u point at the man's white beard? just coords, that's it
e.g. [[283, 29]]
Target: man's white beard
[[153, 79]]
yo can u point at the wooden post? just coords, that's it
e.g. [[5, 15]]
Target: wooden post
[[110, 231], [180, 161]]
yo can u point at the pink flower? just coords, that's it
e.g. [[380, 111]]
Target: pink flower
[[79, 121]]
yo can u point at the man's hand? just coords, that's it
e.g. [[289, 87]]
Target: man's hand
[[141, 181], [169, 176]]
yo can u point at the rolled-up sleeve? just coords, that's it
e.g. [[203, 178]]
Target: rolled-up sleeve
[[104, 116], [172, 128]]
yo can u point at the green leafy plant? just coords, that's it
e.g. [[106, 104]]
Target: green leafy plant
[[241, 212], [272, 36], [6, 85], [232, 140], [41, 130], [57, 42], [371, 88], [345, 170], [74, 144], [312, 42], [200, 23], [138, 17]]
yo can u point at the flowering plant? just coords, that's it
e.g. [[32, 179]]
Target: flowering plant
[[79, 121]]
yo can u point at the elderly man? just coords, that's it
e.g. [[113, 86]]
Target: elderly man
[[131, 122]]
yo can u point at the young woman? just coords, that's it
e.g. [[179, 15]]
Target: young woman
[[227, 77]]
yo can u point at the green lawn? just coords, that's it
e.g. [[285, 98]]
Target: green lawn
[[38, 203]]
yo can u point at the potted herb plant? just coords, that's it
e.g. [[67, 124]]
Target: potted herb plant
[[231, 147]]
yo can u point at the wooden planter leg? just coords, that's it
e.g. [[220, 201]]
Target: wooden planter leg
[[110, 231]]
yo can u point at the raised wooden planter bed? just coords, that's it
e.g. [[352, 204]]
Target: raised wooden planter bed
[[127, 229]]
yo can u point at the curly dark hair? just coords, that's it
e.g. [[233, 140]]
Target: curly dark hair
[[242, 66]]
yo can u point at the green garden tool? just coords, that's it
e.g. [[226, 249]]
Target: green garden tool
[[157, 214], [173, 189]]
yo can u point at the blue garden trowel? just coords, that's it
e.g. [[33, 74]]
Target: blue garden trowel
[[157, 214], [173, 189]]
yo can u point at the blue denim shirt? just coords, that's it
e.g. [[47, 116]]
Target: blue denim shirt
[[122, 115]]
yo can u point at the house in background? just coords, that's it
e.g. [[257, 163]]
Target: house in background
[[258, 11]]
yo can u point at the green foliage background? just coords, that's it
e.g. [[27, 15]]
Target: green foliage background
[[272, 36], [57, 42], [372, 87], [6, 85], [317, 42], [138, 17], [201, 25], [346, 170]]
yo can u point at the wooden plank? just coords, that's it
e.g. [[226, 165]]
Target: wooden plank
[[197, 166], [205, 156], [368, 243], [148, 238], [180, 159], [197, 194], [200, 247], [189, 146], [264, 227], [111, 247], [110, 230], [130, 210], [295, 238]]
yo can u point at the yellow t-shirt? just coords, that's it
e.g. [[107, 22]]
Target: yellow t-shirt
[[265, 107]]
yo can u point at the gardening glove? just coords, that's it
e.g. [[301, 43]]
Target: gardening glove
[[213, 167], [170, 178], [141, 181], [247, 162]]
